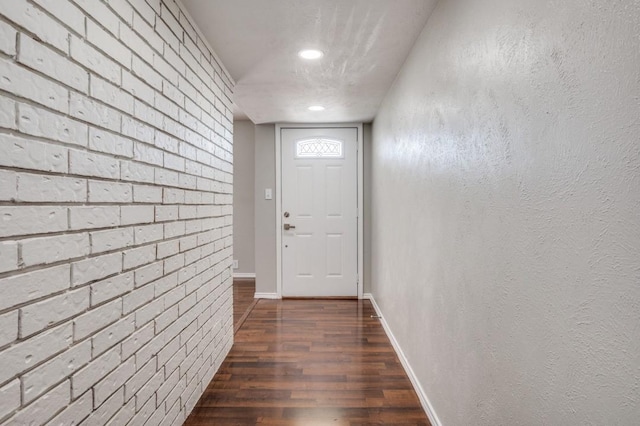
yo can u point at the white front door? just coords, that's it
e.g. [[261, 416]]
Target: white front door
[[319, 208]]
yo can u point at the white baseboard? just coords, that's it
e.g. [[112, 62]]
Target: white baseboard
[[244, 275], [424, 400], [266, 296]]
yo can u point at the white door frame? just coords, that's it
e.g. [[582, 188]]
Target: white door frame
[[360, 155]]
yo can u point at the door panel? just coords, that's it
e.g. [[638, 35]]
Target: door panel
[[319, 192]]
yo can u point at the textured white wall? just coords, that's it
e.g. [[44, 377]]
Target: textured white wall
[[243, 196], [506, 206], [115, 207]]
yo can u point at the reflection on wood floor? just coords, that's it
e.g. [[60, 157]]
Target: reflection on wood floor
[[310, 362], [243, 301]]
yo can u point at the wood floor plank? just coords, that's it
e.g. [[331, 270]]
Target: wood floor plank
[[310, 362]]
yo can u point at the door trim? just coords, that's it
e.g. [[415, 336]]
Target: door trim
[[360, 178]]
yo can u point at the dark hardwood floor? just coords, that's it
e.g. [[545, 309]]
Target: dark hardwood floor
[[310, 362], [243, 301]]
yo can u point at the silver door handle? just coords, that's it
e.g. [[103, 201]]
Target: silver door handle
[[287, 227]]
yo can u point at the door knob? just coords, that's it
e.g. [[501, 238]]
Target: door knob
[[287, 227]]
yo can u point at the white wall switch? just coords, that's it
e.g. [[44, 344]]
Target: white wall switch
[[268, 194], [235, 264]]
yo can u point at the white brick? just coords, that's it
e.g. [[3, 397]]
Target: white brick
[[95, 61], [36, 21], [137, 87], [74, 413], [28, 353], [40, 58], [169, 385], [94, 217], [95, 371], [9, 397], [109, 192], [112, 335], [110, 143], [23, 288], [24, 83], [135, 43], [125, 414], [96, 319], [108, 44], [44, 408], [148, 273], [174, 162], [174, 263], [36, 382], [138, 380], [147, 73], [167, 177], [148, 114], [166, 213], [90, 164], [95, 268], [113, 381], [172, 57], [149, 312], [29, 154], [137, 340], [106, 410], [136, 214], [111, 287], [171, 31], [148, 233], [8, 113], [173, 93], [139, 256], [112, 239], [137, 130], [137, 172], [38, 316], [110, 94], [165, 284], [168, 248], [124, 10], [38, 251], [166, 142], [38, 122], [167, 106], [49, 189], [137, 298], [174, 229], [100, 13], [8, 328], [88, 110], [66, 12], [7, 40], [8, 257], [147, 32], [144, 413], [147, 194]]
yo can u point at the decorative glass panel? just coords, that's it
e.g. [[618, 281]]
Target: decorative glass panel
[[319, 148]]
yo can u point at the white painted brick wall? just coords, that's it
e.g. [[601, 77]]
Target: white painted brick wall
[[114, 260]]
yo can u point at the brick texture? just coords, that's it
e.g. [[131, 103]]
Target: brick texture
[[115, 199]]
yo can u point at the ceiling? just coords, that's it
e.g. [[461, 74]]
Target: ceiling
[[365, 42]]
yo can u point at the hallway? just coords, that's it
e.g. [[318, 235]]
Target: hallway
[[310, 362]]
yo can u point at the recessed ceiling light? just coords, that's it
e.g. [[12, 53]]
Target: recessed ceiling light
[[316, 108], [310, 54]]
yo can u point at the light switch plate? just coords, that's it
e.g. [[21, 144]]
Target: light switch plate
[[268, 194]]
